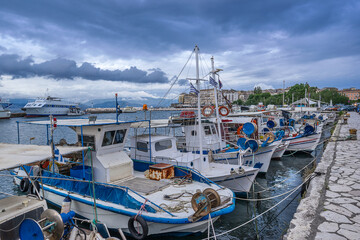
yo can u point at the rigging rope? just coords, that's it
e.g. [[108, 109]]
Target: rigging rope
[[175, 80], [253, 219]]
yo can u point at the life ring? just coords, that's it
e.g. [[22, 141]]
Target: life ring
[[239, 130], [254, 121], [144, 227], [203, 111], [24, 184], [34, 185], [225, 109]]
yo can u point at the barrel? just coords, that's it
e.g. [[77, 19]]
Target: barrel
[[309, 129], [241, 143], [265, 130], [271, 137], [252, 144], [249, 128], [271, 124]]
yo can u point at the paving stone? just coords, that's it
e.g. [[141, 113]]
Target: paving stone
[[332, 178], [339, 210], [331, 194], [328, 227], [339, 188], [334, 217], [328, 236], [355, 193], [352, 208], [346, 195], [349, 234], [343, 200], [356, 219], [351, 227], [356, 186]]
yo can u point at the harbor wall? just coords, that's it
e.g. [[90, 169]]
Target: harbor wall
[[331, 207]]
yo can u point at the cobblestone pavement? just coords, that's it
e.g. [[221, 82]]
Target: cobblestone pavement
[[340, 215]]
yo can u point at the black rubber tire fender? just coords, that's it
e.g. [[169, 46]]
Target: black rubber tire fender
[[32, 189], [24, 184], [134, 232]]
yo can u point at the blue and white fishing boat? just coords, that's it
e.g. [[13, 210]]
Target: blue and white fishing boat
[[161, 199], [164, 149]]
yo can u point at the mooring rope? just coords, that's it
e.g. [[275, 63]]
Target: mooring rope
[[253, 219]]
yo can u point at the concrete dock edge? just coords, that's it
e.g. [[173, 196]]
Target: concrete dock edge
[[304, 223]]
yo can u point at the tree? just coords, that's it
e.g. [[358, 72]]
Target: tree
[[257, 90], [239, 102]]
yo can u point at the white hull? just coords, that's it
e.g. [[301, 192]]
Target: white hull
[[108, 213], [239, 183], [263, 156], [5, 114], [308, 143], [280, 150], [46, 111]]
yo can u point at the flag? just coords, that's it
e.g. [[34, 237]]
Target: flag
[[58, 157], [220, 84], [212, 81], [193, 89]]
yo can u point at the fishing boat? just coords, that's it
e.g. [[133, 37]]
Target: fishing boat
[[51, 106], [302, 134], [162, 199], [165, 149], [252, 146], [4, 113], [27, 216]]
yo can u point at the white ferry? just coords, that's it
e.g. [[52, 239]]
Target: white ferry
[[51, 106], [3, 112]]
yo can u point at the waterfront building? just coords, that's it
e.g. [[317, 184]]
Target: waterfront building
[[351, 93]]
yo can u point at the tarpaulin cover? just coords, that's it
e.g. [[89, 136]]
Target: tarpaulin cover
[[103, 192]]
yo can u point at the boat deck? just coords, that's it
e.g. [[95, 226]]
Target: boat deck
[[143, 185]]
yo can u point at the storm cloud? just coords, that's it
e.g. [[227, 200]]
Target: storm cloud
[[254, 42], [12, 64]]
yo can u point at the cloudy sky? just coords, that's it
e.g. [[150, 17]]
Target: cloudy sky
[[92, 49]]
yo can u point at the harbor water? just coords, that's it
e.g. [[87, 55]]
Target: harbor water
[[283, 175]]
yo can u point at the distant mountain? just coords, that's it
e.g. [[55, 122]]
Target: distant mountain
[[124, 102], [17, 104]]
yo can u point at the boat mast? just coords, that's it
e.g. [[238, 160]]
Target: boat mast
[[216, 102], [199, 110]]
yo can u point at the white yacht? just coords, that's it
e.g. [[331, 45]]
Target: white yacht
[[49, 106], [3, 112]]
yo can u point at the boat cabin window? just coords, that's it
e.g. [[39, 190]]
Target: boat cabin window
[[207, 130], [89, 141], [113, 137], [119, 136], [162, 145], [141, 146], [193, 133], [213, 129]]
